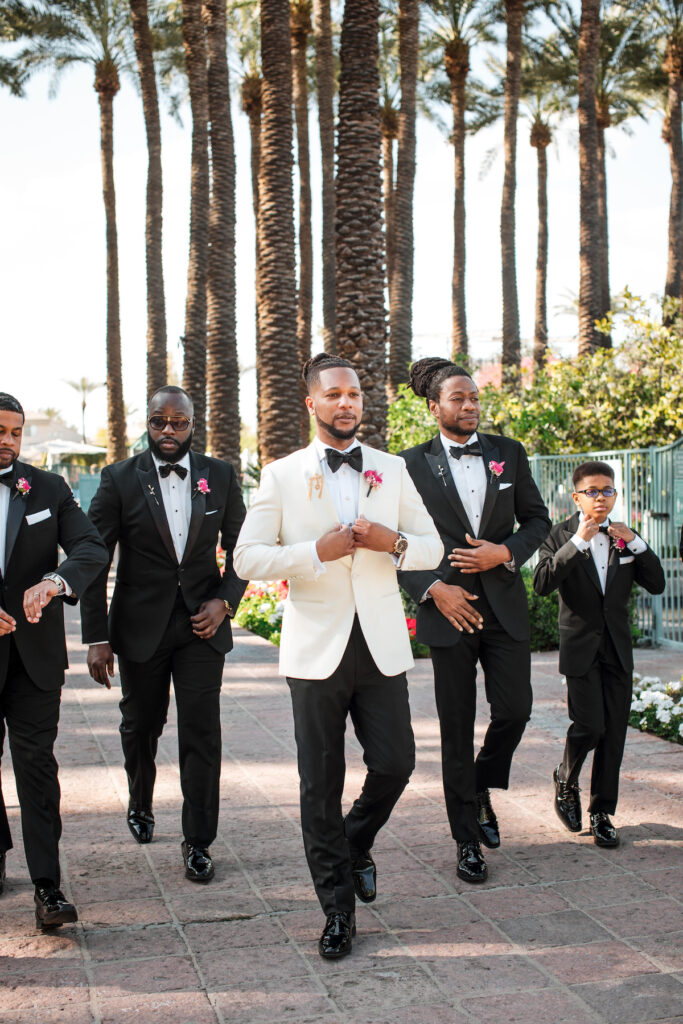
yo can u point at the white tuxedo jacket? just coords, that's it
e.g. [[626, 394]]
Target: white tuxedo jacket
[[294, 507]]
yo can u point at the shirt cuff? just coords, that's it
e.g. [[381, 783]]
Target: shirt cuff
[[426, 593], [637, 546], [318, 566], [97, 643], [510, 566], [580, 542]]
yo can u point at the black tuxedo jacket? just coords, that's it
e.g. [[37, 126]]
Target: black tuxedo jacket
[[504, 590], [31, 550], [585, 612], [128, 510]]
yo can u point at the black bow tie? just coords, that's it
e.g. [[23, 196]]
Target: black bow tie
[[7, 479], [166, 468], [354, 458], [468, 449], [604, 529]]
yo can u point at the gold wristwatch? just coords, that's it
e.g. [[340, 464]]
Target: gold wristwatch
[[400, 545]]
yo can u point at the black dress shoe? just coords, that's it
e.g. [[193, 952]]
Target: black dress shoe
[[52, 907], [364, 874], [198, 864], [335, 940], [471, 864], [141, 825], [2, 872], [604, 832], [487, 821], [567, 803]]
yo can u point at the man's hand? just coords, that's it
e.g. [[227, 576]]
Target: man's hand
[[485, 555], [454, 604], [374, 536], [209, 617], [336, 543], [621, 530], [588, 527], [38, 597], [101, 663], [7, 623]]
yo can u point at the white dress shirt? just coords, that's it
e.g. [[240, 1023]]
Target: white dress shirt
[[469, 477], [344, 487], [177, 498], [600, 548], [5, 495]]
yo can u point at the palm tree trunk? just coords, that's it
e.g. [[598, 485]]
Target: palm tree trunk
[[325, 79], [673, 66], [389, 122], [279, 423], [194, 370], [401, 289], [457, 63], [540, 140], [361, 325], [251, 104], [156, 301], [514, 12], [604, 121], [300, 30], [589, 256], [106, 86], [222, 368]]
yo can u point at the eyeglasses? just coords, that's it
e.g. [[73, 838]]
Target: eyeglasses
[[593, 492], [177, 422]]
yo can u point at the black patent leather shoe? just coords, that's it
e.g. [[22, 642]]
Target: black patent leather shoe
[[52, 907], [487, 821], [604, 832], [338, 932], [141, 825], [364, 872], [567, 803], [198, 864], [2, 872], [471, 864]]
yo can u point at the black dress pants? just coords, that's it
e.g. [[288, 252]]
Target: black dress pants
[[507, 680], [599, 705], [31, 717], [197, 670], [379, 709]]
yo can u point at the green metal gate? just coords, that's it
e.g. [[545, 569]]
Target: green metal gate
[[650, 485]]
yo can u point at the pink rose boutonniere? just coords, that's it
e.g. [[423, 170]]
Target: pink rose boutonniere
[[22, 485], [619, 543], [202, 486], [373, 480], [496, 468]]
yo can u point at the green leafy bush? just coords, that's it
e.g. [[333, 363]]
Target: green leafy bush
[[543, 611]]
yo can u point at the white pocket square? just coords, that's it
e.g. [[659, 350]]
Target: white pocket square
[[501, 487], [627, 558], [212, 512], [37, 517]]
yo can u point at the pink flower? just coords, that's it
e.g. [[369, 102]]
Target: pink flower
[[22, 485], [374, 480], [496, 467], [203, 487], [412, 626], [619, 543]]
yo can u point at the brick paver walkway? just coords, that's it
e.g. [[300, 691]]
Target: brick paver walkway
[[562, 933]]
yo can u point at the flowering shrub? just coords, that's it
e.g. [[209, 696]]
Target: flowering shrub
[[657, 707], [261, 609]]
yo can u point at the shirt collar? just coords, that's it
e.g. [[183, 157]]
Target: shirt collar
[[185, 461], [321, 448], [448, 443], [10, 469]]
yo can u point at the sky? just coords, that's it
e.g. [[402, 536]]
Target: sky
[[52, 258]]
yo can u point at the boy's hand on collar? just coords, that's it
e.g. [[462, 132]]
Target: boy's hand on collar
[[588, 527], [621, 531]]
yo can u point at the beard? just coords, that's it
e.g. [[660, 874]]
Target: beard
[[13, 456], [340, 435], [174, 456]]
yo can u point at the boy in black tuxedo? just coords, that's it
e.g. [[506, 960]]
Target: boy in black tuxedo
[[594, 563]]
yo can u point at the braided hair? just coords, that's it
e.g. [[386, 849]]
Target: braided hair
[[428, 375], [313, 367], [8, 403]]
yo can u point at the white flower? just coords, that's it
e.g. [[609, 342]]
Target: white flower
[[265, 608], [636, 705], [680, 729], [663, 716], [674, 687], [274, 619], [280, 607], [643, 722]]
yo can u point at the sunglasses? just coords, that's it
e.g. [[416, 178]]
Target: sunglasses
[[178, 423], [593, 492]]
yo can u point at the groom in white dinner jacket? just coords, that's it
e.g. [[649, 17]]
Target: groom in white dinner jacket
[[337, 519]]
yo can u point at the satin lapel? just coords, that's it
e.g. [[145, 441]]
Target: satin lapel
[[491, 453], [437, 461], [612, 565], [365, 499], [587, 560], [149, 482], [15, 512], [199, 469]]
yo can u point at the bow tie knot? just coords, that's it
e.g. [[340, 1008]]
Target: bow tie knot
[[7, 479], [604, 528], [467, 449], [166, 468], [354, 458]]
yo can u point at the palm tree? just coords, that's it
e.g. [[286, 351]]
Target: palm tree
[[454, 27], [15, 21], [361, 327], [589, 255], [279, 423], [194, 340], [93, 32], [325, 81], [84, 387], [156, 302], [514, 19], [222, 366], [300, 21], [389, 88]]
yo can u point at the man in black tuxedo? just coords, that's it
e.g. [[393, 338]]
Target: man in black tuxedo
[[473, 607], [594, 563], [170, 614], [38, 514]]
